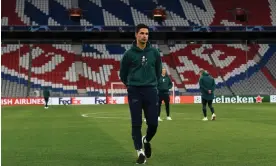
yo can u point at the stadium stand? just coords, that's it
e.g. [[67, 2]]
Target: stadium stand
[[133, 12], [58, 67], [237, 68]]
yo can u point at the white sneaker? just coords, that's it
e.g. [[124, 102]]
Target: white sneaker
[[141, 157], [205, 119], [147, 147], [46, 107], [213, 117], [169, 118], [141, 151], [159, 119]]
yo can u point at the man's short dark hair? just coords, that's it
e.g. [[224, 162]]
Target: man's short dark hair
[[140, 26], [201, 71]]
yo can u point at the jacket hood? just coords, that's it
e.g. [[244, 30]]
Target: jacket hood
[[205, 73], [135, 48]]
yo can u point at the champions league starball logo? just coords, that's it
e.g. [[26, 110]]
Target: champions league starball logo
[[144, 60]]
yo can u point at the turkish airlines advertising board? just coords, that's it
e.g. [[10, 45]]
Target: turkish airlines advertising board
[[52, 101]]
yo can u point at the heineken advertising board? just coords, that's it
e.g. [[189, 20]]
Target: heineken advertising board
[[241, 99], [238, 99]]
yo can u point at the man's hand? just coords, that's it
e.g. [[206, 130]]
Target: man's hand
[[209, 91]]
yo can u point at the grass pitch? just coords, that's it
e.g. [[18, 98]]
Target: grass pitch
[[100, 135]]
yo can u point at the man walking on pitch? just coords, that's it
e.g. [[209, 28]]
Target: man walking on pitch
[[164, 85], [140, 71], [46, 95], [207, 88]]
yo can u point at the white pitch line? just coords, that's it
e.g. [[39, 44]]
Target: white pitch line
[[122, 115], [101, 117], [84, 115], [128, 118]]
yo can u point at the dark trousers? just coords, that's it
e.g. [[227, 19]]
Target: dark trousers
[[46, 99], [143, 98], [210, 105], [166, 99]]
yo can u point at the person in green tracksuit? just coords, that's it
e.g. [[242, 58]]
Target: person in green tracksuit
[[207, 87], [46, 95], [140, 69], [164, 85]]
